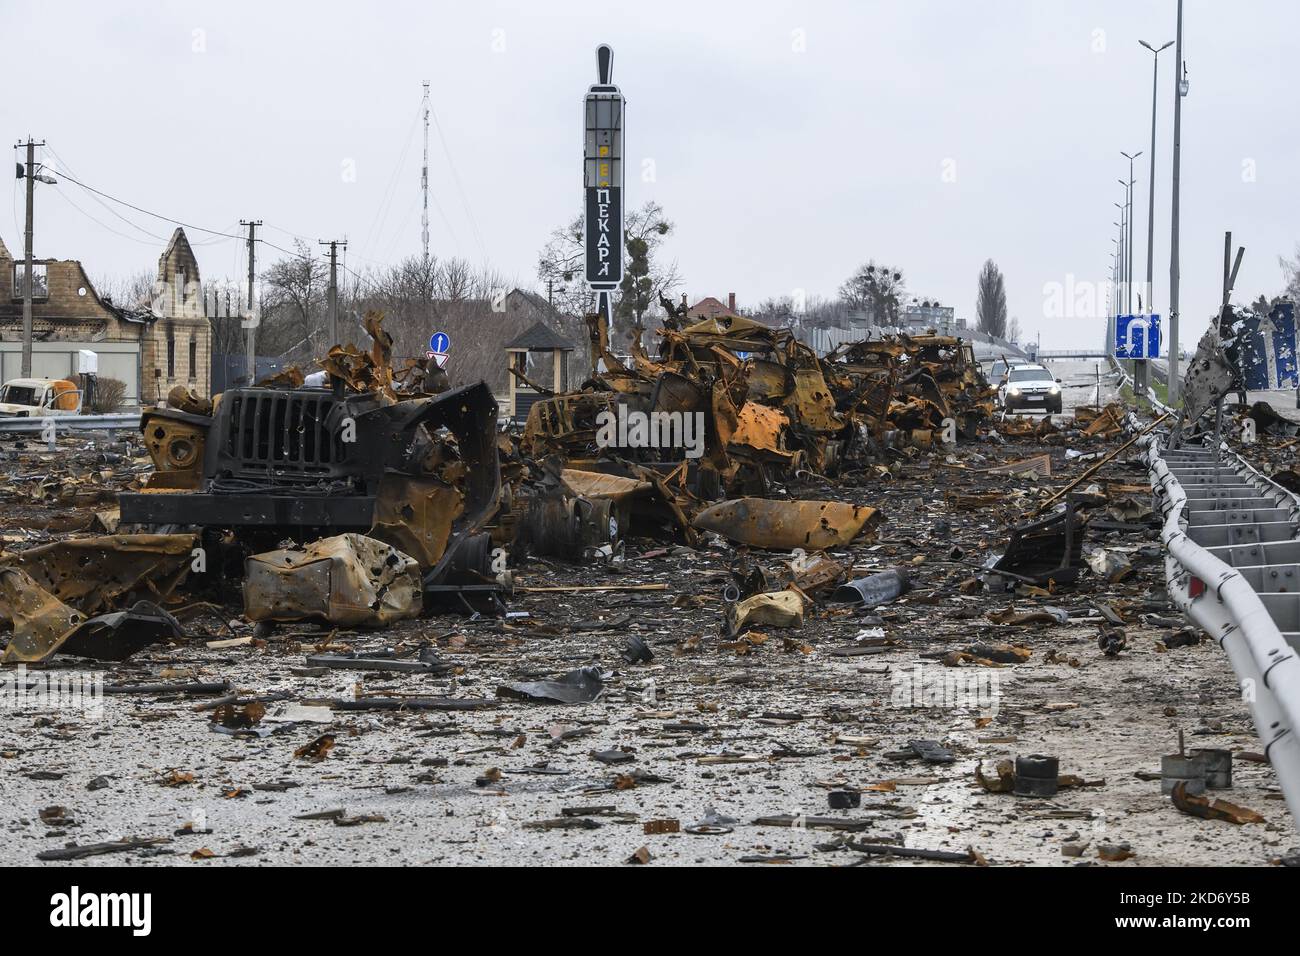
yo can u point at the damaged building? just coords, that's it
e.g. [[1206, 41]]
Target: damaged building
[[151, 346]]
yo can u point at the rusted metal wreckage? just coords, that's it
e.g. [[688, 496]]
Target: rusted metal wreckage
[[770, 406], [381, 494]]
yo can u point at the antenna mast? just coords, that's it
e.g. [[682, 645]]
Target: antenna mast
[[424, 177]]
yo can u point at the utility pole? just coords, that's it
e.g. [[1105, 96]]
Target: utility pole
[[424, 178], [252, 319], [334, 289], [1175, 386], [29, 173]]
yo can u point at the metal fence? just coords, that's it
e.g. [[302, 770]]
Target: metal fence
[[1232, 563], [823, 340]]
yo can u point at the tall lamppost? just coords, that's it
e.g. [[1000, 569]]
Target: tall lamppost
[[1123, 253], [1112, 320], [1151, 193], [1129, 186], [1114, 285], [1139, 367], [1180, 90]]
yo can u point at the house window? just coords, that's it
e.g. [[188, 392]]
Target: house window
[[179, 296], [194, 358], [171, 354], [40, 281]]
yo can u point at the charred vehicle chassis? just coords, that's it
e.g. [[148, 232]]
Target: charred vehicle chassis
[[421, 473]]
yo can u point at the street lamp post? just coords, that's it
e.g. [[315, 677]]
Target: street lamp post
[[1175, 386], [1151, 194], [1118, 297], [1139, 367], [1123, 255], [1128, 239], [1114, 292], [34, 173]]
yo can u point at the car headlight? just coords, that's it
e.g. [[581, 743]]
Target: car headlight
[[1055, 390], [1013, 391]]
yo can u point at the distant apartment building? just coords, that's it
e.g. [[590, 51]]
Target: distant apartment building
[[924, 316]]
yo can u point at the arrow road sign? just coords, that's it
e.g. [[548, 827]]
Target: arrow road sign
[[1137, 336], [439, 347]]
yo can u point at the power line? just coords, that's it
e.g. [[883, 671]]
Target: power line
[[151, 241], [134, 225], [178, 222], [123, 202], [459, 185], [385, 203]]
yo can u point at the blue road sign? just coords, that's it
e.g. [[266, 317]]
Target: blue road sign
[[440, 342], [1266, 349], [1137, 336]]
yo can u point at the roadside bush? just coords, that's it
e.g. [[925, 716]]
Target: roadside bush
[[109, 394]]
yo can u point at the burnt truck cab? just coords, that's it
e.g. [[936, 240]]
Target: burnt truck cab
[[270, 463], [39, 398]]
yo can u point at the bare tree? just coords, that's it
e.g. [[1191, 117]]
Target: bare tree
[[293, 304], [127, 292], [816, 312], [1291, 269], [561, 267], [223, 304], [877, 290], [991, 305]]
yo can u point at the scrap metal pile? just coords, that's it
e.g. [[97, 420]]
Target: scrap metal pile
[[374, 495], [279, 555]]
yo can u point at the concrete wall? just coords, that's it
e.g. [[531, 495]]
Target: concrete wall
[[54, 360]]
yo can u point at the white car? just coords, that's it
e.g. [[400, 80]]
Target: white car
[[39, 397], [1030, 388]]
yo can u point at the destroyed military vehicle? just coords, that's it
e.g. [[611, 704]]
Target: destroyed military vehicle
[[281, 460]]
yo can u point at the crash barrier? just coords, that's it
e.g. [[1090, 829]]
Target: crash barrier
[[1126, 379], [120, 421], [1232, 566]]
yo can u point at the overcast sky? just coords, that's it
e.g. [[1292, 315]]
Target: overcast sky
[[788, 142]]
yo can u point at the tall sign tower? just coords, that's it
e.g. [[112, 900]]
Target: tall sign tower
[[603, 110]]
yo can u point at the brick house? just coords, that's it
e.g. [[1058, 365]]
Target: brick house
[[151, 346], [711, 308]]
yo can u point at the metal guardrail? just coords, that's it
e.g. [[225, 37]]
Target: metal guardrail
[[1126, 379], [118, 421], [1232, 566]]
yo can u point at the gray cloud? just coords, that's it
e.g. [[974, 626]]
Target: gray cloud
[[783, 169]]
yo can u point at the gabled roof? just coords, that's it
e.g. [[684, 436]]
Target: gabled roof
[[709, 308], [4, 251], [540, 337], [538, 302], [179, 244]]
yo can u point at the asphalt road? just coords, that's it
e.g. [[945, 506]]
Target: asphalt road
[[1080, 379]]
